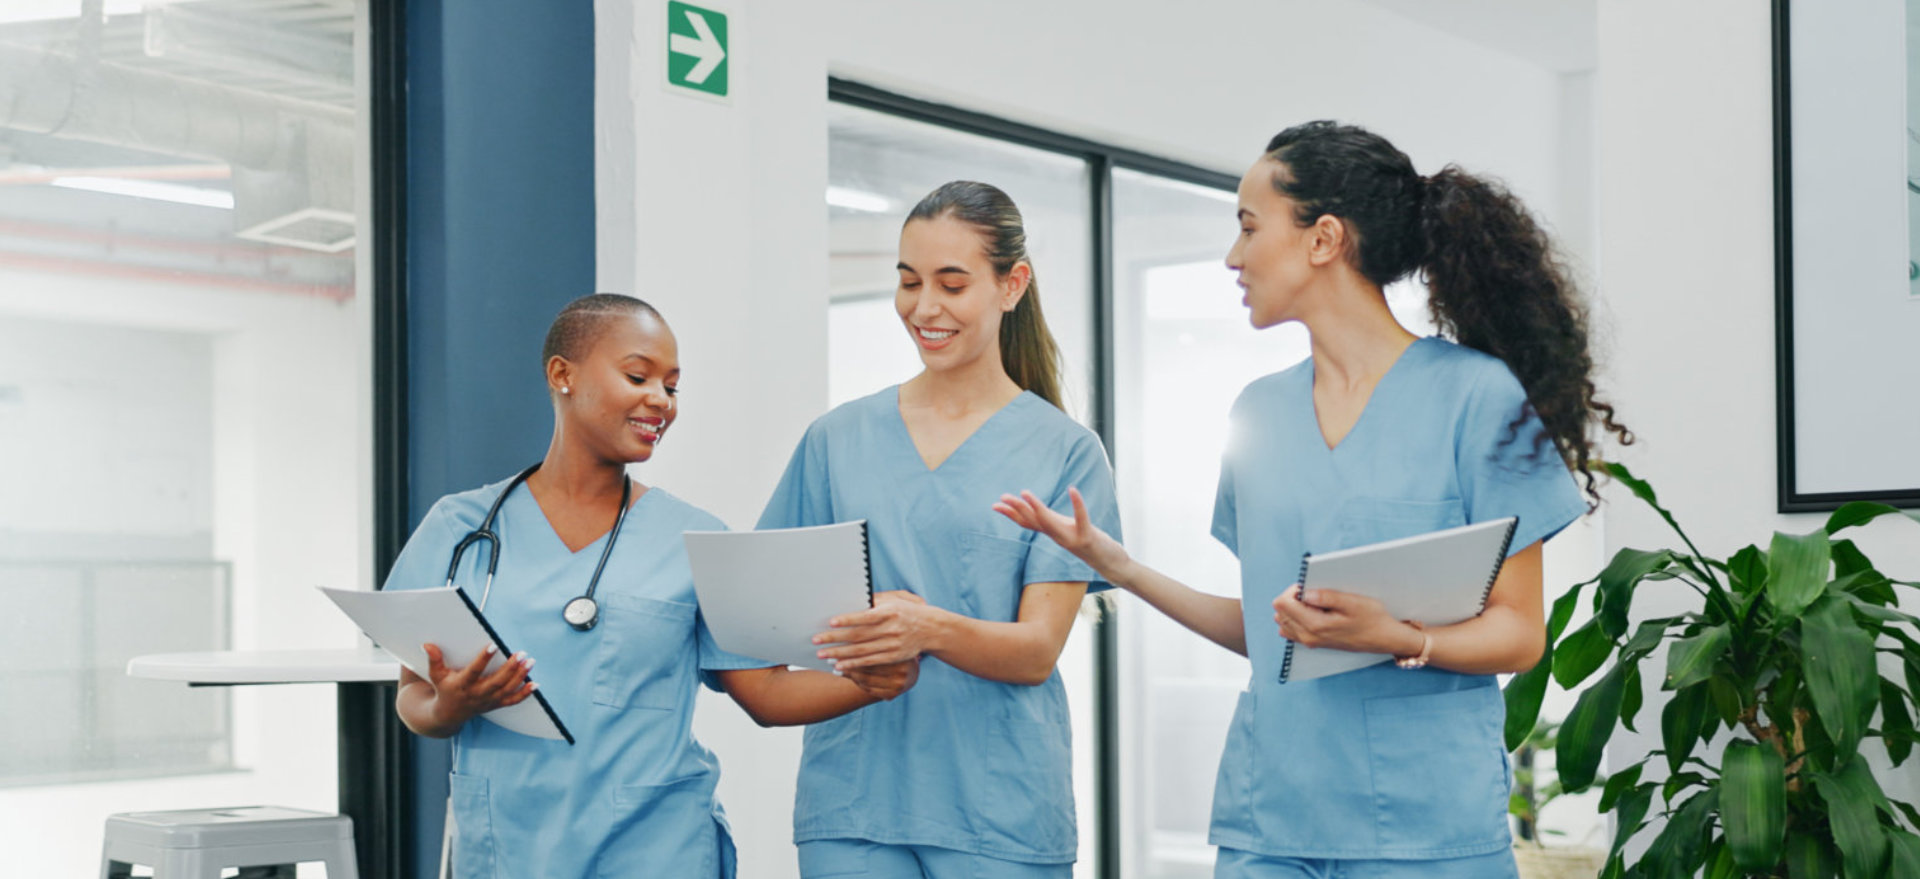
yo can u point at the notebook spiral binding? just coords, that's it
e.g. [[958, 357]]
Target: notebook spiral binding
[[866, 559], [1499, 561], [1286, 659]]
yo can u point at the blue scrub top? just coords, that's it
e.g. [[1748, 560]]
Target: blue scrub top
[[635, 794], [958, 762], [1380, 763]]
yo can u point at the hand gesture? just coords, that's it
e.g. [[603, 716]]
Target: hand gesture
[[1077, 535], [1341, 620], [895, 630], [461, 694]]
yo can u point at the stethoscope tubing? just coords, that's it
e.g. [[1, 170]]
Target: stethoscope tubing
[[486, 533]]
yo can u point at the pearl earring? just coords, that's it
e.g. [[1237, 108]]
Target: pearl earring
[[566, 390]]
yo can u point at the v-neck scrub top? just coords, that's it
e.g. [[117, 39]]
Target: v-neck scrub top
[[1380, 763], [634, 795], [958, 762]]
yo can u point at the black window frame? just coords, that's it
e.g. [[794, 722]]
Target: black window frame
[[1102, 159]]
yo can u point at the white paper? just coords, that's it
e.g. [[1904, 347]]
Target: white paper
[[1438, 578], [765, 594], [402, 620]]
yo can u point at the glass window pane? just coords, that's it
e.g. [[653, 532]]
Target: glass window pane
[[184, 362], [1183, 351], [879, 166]]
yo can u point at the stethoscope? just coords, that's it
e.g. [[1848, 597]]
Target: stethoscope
[[583, 612]]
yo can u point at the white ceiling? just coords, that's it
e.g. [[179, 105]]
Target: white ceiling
[[1558, 35]]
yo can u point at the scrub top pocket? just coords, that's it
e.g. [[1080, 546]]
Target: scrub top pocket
[[473, 827], [639, 659], [1439, 770], [989, 561], [1027, 770], [1365, 520], [683, 836]]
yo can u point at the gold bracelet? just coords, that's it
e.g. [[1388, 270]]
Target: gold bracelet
[[1426, 650]]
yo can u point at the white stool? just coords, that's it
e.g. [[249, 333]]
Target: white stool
[[265, 842]]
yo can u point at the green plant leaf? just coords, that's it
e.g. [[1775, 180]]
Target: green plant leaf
[[1874, 611], [1895, 719], [1720, 862], [1584, 734], [1563, 609], [1748, 570], [1753, 803], [1906, 853], [1580, 654], [1811, 857], [1727, 700], [1908, 812], [1797, 568], [1680, 723], [1631, 814], [1644, 491], [1678, 850], [1853, 798], [1523, 696], [1841, 674], [1631, 698], [1617, 582], [1691, 659], [1862, 512], [1621, 782], [1848, 559], [1678, 782], [1648, 636]]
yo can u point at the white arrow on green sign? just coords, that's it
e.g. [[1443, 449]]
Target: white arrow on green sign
[[697, 48]]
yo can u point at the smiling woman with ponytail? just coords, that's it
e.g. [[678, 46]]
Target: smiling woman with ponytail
[[970, 773], [1398, 769]]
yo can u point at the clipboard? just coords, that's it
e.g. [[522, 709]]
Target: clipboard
[[401, 620]]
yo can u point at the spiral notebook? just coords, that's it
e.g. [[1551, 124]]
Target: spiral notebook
[[765, 594], [1439, 578]]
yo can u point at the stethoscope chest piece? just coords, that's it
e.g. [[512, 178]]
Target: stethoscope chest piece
[[581, 613]]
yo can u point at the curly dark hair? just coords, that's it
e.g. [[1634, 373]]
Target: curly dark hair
[[1495, 280]]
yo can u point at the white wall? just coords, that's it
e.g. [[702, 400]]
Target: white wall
[[1686, 163], [714, 211]]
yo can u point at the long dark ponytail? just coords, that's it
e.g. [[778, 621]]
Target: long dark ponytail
[[1495, 280], [1027, 350]]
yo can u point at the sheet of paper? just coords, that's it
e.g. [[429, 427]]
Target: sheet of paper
[[1439, 578], [402, 620], [765, 594]]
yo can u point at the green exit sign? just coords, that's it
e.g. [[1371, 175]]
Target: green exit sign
[[697, 56]]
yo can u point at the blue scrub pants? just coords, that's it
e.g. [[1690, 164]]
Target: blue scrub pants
[[1237, 864], [860, 859]]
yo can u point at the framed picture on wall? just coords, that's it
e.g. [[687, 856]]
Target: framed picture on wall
[[1847, 252]]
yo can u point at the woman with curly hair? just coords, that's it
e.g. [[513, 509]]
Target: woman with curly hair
[[1397, 769]]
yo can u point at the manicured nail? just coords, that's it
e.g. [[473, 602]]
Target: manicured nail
[[487, 650], [531, 686], [529, 664]]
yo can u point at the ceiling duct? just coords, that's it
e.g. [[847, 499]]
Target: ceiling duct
[[292, 160]]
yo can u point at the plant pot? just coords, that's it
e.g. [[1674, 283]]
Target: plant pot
[[1538, 862]]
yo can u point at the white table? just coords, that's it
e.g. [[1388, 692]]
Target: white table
[[369, 728], [230, 667]]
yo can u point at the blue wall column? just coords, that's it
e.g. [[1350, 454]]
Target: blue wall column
[[500, 235]]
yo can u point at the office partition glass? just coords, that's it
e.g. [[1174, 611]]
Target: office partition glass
[[184, 372]]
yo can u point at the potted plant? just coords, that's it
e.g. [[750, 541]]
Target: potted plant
[[1534, 786], [1781, 659]]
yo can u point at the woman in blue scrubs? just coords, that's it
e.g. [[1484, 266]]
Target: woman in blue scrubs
[[969, 774], [634, 794], [1396, 770]]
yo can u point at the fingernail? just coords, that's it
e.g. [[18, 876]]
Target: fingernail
[[820, 654], [529, 664], [816, 639], [488, 650], [531, 686]]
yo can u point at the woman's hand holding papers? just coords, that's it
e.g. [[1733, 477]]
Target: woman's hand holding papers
[[898, 628], [440, 703], [1343, 621]]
